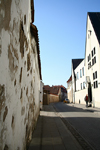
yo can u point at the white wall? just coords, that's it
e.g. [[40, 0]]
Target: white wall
[[80, 95], [19, 76], [80, 79]]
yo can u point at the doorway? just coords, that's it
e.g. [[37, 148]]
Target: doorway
[[90, 92]]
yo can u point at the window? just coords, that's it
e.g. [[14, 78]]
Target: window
[[95, 84], [94, 60], [83, 71], [95, 75], [89, 65], [94, 51], [80, 73], [81, 86], [89, 57]]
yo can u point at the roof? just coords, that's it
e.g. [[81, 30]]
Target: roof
[[76, 62], [70, 79], [95, 20], [34, 33], [55, 89]]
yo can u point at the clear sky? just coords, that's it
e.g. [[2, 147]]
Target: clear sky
[[62, 32]]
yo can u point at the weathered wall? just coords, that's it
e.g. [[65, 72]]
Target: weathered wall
[[19, 75]]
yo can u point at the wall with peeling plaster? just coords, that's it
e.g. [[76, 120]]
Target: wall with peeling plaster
[[19, 75]]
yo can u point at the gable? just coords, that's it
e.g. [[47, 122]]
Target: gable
[[76, 62]]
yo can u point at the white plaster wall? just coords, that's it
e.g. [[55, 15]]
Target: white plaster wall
[[19, 99], [79, 96], [81, 79], [90, 44]]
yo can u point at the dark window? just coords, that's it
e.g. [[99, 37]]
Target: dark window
[[89, 57], [83, 70], [80, 73], [94, 60], [92, 53], [96, 83], [89, 65], [94, 50], [95, 74], [81, 86]]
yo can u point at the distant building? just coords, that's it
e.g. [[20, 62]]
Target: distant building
[[54, 93]]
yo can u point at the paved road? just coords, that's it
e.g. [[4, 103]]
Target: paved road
[[86, 121]]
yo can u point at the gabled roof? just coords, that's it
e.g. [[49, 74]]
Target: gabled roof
[[76, 62], [95, 20], [34, 33]]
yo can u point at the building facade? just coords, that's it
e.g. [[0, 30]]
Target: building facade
[[80, 89], [92, 57], [88, 81]]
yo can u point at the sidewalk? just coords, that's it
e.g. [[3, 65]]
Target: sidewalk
[[83, 106], [51, 133]]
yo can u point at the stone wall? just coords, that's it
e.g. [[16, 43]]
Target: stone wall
[[19, 75]]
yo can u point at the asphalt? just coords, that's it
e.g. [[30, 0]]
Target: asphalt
[[51, 133]]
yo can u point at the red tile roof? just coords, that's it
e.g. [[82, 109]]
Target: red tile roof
[[70, 79], [55, 89]]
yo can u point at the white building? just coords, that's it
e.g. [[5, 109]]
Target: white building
[[80, 89], [92, 57], [75, 63], [88, 81]]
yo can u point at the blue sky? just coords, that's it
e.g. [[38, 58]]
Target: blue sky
[[62, 32]]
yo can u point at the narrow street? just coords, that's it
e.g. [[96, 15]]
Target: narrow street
[[85, 121], [67, 126]]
